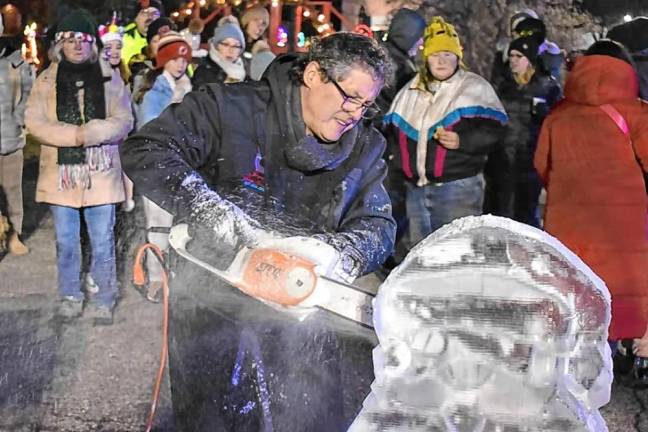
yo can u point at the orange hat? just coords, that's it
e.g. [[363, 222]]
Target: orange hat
[[172, 45]]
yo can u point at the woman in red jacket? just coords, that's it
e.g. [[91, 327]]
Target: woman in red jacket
[[592, 155]]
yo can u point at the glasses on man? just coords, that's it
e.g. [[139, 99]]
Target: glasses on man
[[233, 47], [351, 104]]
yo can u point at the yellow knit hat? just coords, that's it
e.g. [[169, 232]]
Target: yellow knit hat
[[441, 36]]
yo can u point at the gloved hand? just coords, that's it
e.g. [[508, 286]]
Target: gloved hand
[[220, 230]]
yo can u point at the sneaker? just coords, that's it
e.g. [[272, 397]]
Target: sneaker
[[70, 308], [102, 315], [90, 285]]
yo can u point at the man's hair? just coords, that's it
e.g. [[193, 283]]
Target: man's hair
[[339, 53]]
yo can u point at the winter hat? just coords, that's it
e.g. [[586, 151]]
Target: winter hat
[[528, 46], [172, 45], [111, 32], [519, 16], [145, 4], [156, 25], [610, 48], [532, 27], [441, 36], [78, 21], [11, 19], [406, 28], [254, 13], [228, 29]]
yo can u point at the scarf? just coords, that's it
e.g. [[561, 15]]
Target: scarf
[[77, 163], [418, 112], [235, 71], [179, 87], [304, 152]]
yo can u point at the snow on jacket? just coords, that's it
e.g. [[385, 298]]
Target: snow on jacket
[[16, 80], [596, 198], [218, 132], [107, 187], [465, 103]]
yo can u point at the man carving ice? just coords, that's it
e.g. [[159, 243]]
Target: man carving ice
[[291, 145]]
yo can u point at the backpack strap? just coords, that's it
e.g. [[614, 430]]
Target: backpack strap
[[616, 117]]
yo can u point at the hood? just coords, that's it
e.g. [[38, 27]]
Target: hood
[[599, 79], [406, 28], [277, 74]]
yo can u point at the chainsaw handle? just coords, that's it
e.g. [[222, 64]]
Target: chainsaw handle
[[277, 276]]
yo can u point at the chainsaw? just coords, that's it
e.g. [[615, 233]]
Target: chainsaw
[[284, 279]]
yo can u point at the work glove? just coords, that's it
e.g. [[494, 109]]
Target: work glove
[[220, 229]]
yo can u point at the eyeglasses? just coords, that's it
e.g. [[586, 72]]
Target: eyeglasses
[[230, 46], [369, 111]]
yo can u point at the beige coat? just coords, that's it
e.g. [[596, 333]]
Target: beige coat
[[107, 187]]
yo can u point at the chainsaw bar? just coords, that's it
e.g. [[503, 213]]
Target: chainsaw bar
[[342, 299]]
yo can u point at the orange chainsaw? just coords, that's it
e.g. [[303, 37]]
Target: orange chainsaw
[[285, 279]]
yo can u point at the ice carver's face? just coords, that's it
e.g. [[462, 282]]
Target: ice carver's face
[[329, 107]]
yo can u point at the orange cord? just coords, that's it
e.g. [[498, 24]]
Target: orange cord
[[140, 279]]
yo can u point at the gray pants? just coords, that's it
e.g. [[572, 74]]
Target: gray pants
[[158, 223], [11, 171]]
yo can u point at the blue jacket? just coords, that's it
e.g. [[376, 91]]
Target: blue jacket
[[155, 101]]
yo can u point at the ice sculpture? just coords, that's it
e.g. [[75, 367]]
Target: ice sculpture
[[489, 325]]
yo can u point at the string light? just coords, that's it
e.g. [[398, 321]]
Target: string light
[[188, 11], [202, 3], [306, 13], [321, 17]]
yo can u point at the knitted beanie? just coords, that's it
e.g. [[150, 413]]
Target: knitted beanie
[[228, 30], [156, 25], [528, 46], [441, 36], [254, 13], [78, 21], [171, 46], [519, 16], [532, 27]]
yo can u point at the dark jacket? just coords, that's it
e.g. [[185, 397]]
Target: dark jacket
[[209, 72], [478, 137], [510, 165], [526, 107], [217, 133], [405, 30]]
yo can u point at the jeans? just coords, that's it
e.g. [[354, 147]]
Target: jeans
[[100, 221], [436, 204]]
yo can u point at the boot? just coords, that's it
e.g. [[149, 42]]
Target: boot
[[16, 247]]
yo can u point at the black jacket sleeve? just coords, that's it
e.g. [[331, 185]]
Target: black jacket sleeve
[[478, 136], [366, 233], [163, 157]]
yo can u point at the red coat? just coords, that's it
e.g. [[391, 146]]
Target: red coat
[[596, 197]]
